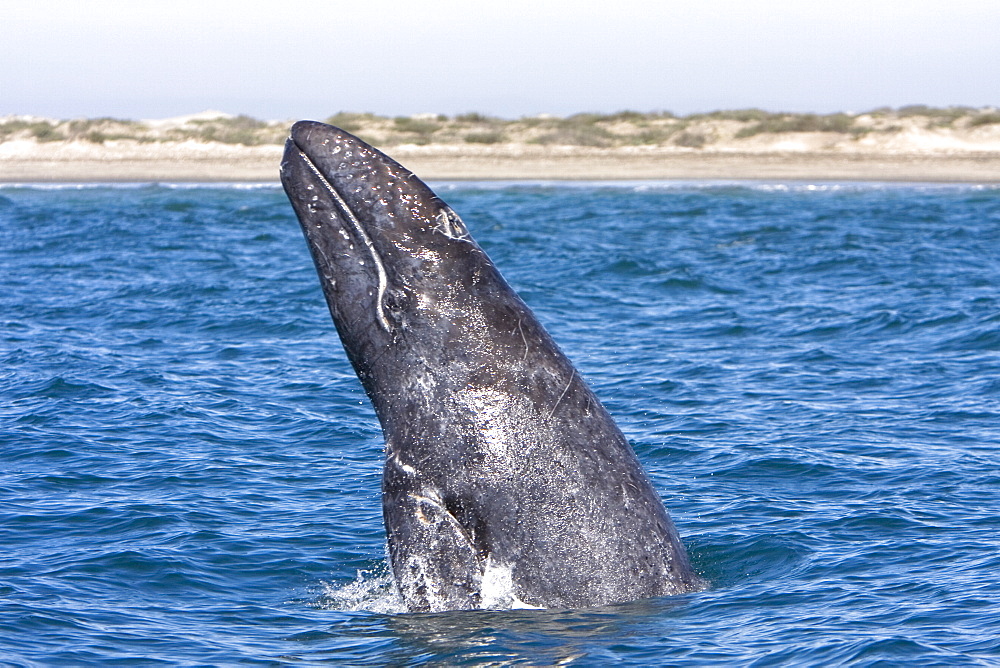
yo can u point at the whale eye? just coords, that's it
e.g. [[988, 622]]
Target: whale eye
[[394, 304]]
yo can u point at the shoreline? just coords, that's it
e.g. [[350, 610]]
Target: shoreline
[[910, 144], [214, 163]]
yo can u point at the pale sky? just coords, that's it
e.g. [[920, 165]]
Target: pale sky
[[285, 60]]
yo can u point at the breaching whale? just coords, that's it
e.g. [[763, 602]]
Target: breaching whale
[[505, 479]]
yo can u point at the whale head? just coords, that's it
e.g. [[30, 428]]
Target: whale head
[[403, 278]]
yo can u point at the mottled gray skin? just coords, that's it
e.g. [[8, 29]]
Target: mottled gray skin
[[502, 470]]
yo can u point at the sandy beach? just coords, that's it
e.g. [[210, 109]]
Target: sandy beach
[[187, 162], [872, 147]]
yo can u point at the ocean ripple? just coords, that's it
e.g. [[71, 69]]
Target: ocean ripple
[[809, 372]]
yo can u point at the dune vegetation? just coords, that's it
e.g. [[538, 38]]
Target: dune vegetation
[[622, 129]]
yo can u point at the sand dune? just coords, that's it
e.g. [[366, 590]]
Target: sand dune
[[212, 146]]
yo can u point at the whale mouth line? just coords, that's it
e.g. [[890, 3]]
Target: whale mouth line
[[348, 215]]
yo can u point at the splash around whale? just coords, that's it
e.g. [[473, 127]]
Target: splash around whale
[[503, 471]]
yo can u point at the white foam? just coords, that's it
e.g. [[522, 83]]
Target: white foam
[[497, 591], [371, 591], [375, 591]]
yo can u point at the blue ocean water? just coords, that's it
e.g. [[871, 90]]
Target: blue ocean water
[[189, 470]]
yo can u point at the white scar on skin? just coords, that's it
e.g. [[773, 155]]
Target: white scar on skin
[[399, 462], [520, 330], [438, 504], [451, 229], [556, 404]]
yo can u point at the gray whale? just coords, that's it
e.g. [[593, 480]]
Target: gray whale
[[505, 480]]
